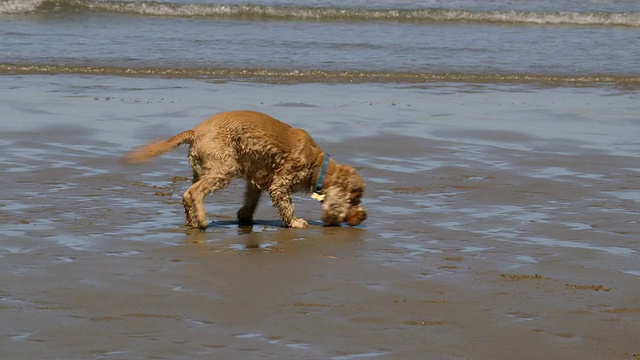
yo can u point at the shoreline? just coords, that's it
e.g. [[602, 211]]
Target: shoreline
[[277, 76]]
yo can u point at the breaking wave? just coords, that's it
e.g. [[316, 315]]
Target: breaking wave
[[266, 12]]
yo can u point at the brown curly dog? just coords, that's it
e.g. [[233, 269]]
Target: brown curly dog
[[273, 157]]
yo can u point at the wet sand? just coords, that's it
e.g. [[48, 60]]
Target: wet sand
[[502, 224]]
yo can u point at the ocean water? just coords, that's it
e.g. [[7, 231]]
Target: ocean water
[[565, 43]]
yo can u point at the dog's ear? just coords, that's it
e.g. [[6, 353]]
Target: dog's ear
[[343, 192], [335, 206]]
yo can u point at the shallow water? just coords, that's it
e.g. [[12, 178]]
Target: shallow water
[[584, 43], [440, 160]]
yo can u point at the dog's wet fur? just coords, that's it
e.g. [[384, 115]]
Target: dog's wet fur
[[271, 156]]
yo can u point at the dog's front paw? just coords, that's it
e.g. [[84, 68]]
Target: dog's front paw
[[299, 223], [203, 224]]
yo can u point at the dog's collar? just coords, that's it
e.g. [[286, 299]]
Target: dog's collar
[[317, 189]]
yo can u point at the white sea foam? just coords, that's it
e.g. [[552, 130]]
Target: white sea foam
[[19, 6], [255, 11], [359, 14]]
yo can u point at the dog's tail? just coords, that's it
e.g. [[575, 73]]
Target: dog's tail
[[156, 148]]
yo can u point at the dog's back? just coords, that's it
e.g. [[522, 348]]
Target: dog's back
[[251, 134]]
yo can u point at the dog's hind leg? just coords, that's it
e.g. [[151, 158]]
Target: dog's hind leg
[[251, 198], [193, 198]]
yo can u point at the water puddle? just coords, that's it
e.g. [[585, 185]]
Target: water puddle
[[633, 195], [359, 356], [579, 245]]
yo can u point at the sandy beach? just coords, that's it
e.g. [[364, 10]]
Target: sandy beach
[[503, 223]]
